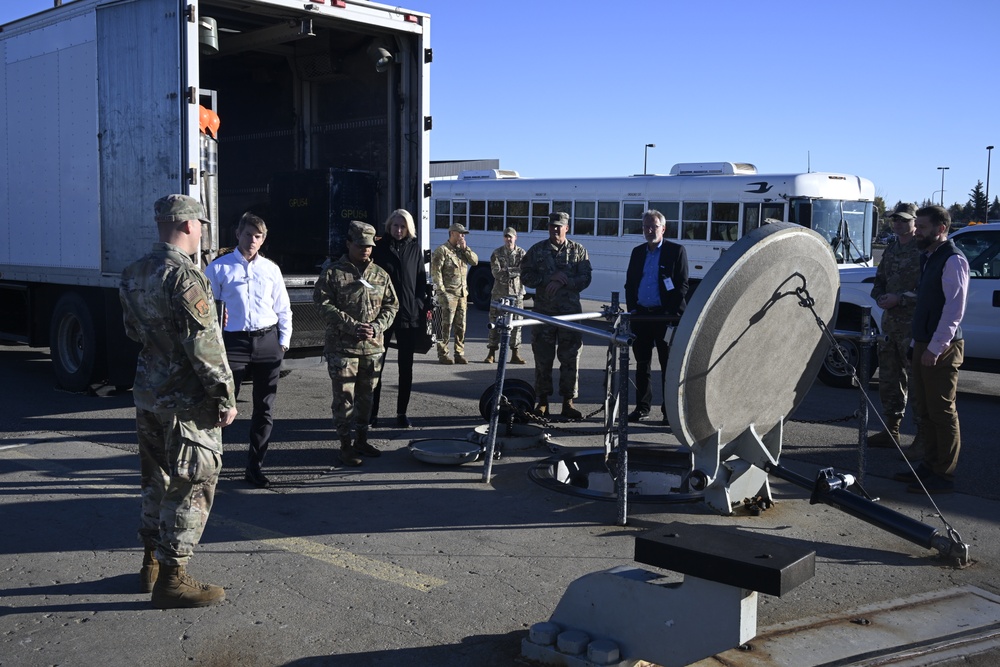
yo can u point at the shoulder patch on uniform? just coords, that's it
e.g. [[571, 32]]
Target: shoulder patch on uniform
[[195, 297]]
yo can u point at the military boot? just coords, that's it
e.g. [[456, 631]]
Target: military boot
[[570, 412], [175, 589], [348, 455], [150, 569], [542, 409], [491, 356], [363, 447], [445, 359], [516, 358], [887, 438]]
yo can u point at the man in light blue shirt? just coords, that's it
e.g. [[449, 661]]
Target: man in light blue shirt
[[656, 285], [257, 329]]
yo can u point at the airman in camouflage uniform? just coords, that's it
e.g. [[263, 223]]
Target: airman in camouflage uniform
[[896, 281], [558, 269], [183, 394], [505, 265], [449, 267], [356, 299]]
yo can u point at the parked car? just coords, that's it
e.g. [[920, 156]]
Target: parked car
[[980, 326]]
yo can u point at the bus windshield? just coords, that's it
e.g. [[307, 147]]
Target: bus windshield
[[847, 225]]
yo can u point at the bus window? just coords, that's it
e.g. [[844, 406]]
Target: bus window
[[494, 217], [477, 215], [584, 218], [539, 215], [632, 217], [561, 207], [442, 214], [607, 218], [772, 212], [517, 215], [800, 212], [671, 211], [460, 213], [725, 221], [695, 223], [751, 218]]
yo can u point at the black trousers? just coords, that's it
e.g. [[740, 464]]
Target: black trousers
[[406, 344], [649, 334], [259, 358]]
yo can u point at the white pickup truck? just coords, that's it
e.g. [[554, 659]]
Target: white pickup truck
[[981, 324]]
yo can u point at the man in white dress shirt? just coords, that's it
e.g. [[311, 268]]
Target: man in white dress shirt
[[257, 329]]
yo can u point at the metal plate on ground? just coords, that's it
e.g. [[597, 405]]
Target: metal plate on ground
[[943, 627], [441, 451], [747, 350]]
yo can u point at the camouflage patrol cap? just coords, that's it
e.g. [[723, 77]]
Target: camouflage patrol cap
[[559, 219], [178, 208], [458, 227], [510, 231], [904, 211], [361, 233]]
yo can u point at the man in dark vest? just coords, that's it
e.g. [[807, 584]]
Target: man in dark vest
[[938, 350]]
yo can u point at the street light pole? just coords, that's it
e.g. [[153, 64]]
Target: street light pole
[[645, 155], [989, 154], [942, 184]]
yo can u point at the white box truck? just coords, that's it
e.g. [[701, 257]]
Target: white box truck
[[310, 114]]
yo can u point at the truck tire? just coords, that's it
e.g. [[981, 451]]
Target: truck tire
[[74, 343], [481, 287], [835, 373]]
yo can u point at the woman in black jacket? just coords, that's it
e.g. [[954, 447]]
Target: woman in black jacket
[[398, 252]]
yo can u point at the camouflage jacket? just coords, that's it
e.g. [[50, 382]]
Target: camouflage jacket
[[449, 266], [346, 296], [545, 259], [168, 307], [898, 272], [506, 268]]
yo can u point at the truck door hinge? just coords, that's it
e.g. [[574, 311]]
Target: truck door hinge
[[428, 123], [428, 55], [427, 189], [192, 94], [193, 176], [192, 14]]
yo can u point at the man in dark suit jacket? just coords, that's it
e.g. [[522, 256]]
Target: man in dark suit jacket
[[656, 285]]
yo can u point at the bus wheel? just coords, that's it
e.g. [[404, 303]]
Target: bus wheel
[[481, 287], [835, 372], [73, 343]]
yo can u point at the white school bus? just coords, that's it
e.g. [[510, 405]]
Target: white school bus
[[708, 206]]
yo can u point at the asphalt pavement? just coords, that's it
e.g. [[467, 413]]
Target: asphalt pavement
[[401, 562]]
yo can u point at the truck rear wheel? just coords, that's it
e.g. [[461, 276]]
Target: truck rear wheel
[[835, 372], [73, 343]]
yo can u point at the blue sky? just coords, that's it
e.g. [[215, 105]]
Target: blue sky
[[883, 89]]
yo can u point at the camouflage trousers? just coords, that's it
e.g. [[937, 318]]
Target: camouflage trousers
[[180, 458], [547, 343], [893, 375], [452, 322], [354, 379], [515, 334]]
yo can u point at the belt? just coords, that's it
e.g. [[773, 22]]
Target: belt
[[261, 332]]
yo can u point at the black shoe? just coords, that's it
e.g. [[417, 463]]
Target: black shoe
[[638, 415], [256, 478], [933, 484], [402, 421], [908, 476]]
